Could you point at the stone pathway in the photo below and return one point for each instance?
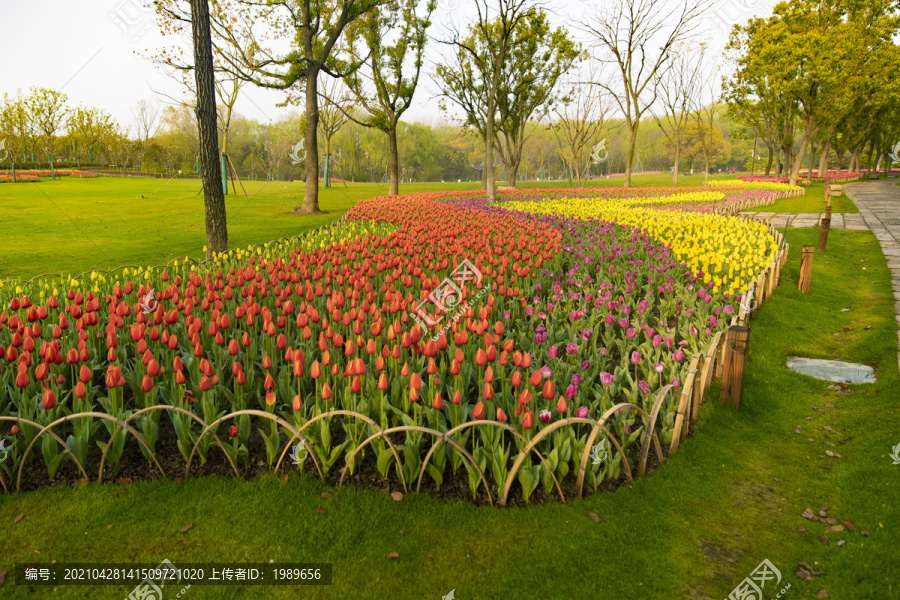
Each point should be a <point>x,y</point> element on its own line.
<point>838,220</point>
<point>879,204</point>
<point>832,370</point>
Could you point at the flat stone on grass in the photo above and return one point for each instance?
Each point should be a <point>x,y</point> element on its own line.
<point>832,370</point>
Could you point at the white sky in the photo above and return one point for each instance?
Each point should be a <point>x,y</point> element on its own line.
<point>82,48</point>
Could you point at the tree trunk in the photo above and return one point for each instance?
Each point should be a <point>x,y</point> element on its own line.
<point>632,149</point>
<point>869,159</point>
<point>489,177</point>
<point>798,159</point>
<point>208,130</point>
<point>512,172</point>
<point>310,204</point>
<point>823,160</point>
<point>769,162</point>
<point>812,154</point>
<point>677,159</point>
<point>854,159</point>
<point>393,162</point>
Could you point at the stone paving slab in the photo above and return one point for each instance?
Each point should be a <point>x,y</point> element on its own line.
<point>832,370</point>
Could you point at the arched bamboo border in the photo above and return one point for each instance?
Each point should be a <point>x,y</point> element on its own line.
<point>52,433</point>
<point>252,412</point>
<point>158,407</point>
<point>380,433</point>
<point>431,432</point>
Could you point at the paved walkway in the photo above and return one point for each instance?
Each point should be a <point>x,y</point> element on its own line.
<point>879,204</point>
<point>838,220</point>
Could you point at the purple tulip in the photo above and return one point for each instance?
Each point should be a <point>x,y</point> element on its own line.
<point>585,365</point>
<point>577,379</point>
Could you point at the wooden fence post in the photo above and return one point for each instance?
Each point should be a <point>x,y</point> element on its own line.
<point>806,259</point>
<point>736,345</point>
<point>824,228</point>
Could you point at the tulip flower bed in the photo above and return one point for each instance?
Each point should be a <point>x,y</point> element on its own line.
<point>33,175</point>
<point>529,346</point>
<point>785,189</point>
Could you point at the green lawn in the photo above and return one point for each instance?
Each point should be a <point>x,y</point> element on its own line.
<point>731,497</point>
<point>812,202</point>
<point>73,225</point>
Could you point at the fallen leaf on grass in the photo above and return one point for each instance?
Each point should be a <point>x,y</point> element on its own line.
<point>801,529</point>
<point>804,575</point>
<point>823,538</point>
<point>832,454</point>
<point>808,514</point>
<point>850,525</point>
<point>393,555</point>
<point>187,528</point>
<point>594,516</point>
<point>285,477</point>
<point>829,405</point>
<point>397,496</point>
<point>326,495</point>
<point>19,518</point>
<point>841,542</point>
<point>109,526</point>
<point>119,492</point>
<point>822,594</point>
<point>825,507</point>
<point>2,576</point>
<point>836,528</point>
<point>809,568</point>
<point>123,480</point>
<point>865,533</point>
<point>321,511</point>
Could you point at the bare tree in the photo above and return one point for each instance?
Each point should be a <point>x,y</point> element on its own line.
<point>705,116</point>
<point>638,37</point>
<point>145,114</point>
<point>579,122</point>
<point>336,107</point>
<point>679,96</point>
<point>498,25</point>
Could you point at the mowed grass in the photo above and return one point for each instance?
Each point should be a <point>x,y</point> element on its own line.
<point>811,202</point>
<point>72,225</point>
<point>732,496</point>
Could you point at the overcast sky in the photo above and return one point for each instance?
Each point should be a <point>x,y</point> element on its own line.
<point>90,49</point>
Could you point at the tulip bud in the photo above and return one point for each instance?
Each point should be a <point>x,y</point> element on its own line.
<point>549,390</point>
<point>501,416</point>
<point>535,378</point>
<point>478,411</point>
<point>233,431</point>
<point>489,374</point>
<point>205,384</point>
<point>326,391</point>
<point>516,379</point>
<point>48,400</point>
<point>270,398</point>
<point>488,391</point>
<point>528,420</point>
<point>561,405</point>
<point>457,397</point>
<point>146,384</point>
<point>438,402</point>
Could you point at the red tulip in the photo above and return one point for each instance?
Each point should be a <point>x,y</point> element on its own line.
<point>561,405</point>
<point>233,347</point>
<point>48,400</point>
<point>549,390</point>
<point>488,391</point>
<point>382,382</point>
<point>516,379</point>
<point>205,384</point>
<point>297,404</point>
<point>326,391</point>
<point>457,398</point>
<point>146,384</point>
<point>270,398</point>
<point>153,368</point>
<point>356,385</point>
<point>413,394</point>
<point>528,420</point>
<point>266,362</point>
<point>177,365</point>
<point>269,383</point>
<point>22,378</point>
<point>179,377</point>
<point>315,371</point>
<point>80,391</point>
<point>437,402</point>
<point>478,411</point>
<point>480,357</point>
<point>501,416</point>
<point>233,431</point>
<point>14,430</point>
<point>535,378</point>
